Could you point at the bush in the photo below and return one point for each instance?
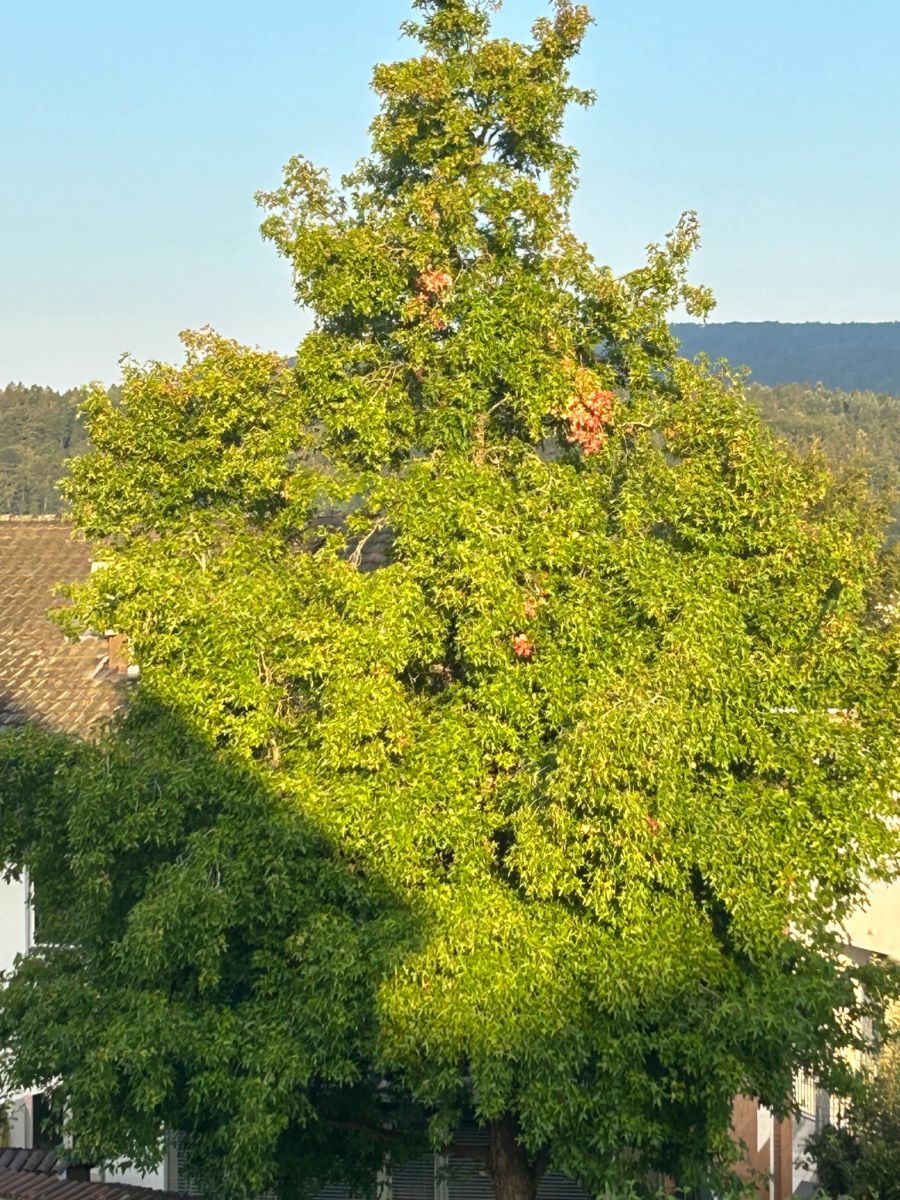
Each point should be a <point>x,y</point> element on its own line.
<point>862,1158</point>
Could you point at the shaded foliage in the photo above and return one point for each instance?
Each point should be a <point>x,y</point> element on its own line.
<point>861,1159</point>
<point>208,960</point>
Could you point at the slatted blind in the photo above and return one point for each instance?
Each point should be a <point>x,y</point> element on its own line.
<point>427,1178</point>
<point>183,1182</point>
<point>805,1093</point>
<point>466,1178</point>
<point>333,1191</point>
<point>556,1186</point>
<point>469,1180</point>
<point>414,1180</point>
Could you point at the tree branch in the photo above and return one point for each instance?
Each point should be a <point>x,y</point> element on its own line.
<point>356,557</point>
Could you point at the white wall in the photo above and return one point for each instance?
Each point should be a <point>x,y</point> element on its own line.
<point>14,916</point>
<point>804,1177</point>
<point>20,1122</point>
<point>15,927</point>
<point>156,1179</point>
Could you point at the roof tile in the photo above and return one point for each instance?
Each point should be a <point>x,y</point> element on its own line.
<point>48,1185</point>
<point>44,678</point>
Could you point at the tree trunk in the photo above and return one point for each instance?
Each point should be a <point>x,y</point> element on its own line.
<point>515,1175</point>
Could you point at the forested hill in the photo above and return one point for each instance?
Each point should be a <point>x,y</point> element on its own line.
<point>851,357</point>
<point>844,424</point>
<point>39,428</point>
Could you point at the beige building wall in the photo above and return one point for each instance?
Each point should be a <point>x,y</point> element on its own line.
<point>876,926</point>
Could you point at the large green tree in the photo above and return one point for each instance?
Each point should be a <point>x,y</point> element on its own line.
<point>515,727</point>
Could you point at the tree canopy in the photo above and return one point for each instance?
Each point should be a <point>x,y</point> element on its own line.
<point>550,815</point>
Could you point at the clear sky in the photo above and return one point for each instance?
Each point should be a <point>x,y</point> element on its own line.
<point>133,134</point>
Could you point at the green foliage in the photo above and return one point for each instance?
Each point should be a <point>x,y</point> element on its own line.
<point>39,428</point>
<point>861,1159</point>
<point>861,427</point>
<point>207,960</point>
<point>551,816</point>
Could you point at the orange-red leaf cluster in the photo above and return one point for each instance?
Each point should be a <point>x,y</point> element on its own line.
<point>435,283</point>
<point>589,417</point>
<point>522,646</point>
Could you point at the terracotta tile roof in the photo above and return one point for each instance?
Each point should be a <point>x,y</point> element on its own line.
<point>44,678</point>
<point>40,1175</point>
<point>36,1185</point>
<point>45,1162</point>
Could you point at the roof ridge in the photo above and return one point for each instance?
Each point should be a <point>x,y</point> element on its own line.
<point>28,1185</point>
<point>29,518</point>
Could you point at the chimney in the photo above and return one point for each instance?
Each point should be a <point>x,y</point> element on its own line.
<point>117,649</point>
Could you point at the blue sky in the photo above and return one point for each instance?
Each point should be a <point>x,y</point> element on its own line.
<point>133,134</point>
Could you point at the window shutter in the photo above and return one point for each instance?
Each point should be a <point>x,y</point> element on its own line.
<point>332,1191</point>
<point>467,1179</point>
<point>184,1185</point>
<point>414,1180</point>
<point>805,1093</point>
<point>556,1186</point>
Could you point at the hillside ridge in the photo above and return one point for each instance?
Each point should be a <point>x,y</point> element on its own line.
<point>852,356</point>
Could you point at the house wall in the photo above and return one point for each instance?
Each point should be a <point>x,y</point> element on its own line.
<point>13,922</point>
<point>155,1179</point>
<point>769,1148</point>
<point>783,1159</point>
<point>753,1127</point>
<point>803,1177</point>
<point>876,926</point>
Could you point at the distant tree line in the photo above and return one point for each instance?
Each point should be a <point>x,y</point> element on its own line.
<point>861,426</point>
<point>40,429</point>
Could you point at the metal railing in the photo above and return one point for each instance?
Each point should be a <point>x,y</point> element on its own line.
<point>805,1090</point>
